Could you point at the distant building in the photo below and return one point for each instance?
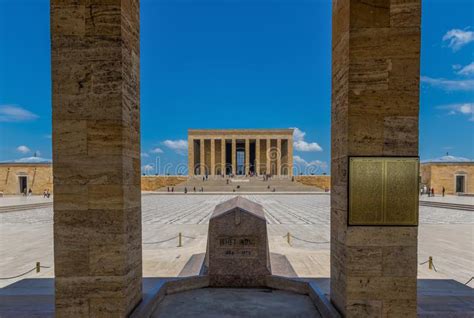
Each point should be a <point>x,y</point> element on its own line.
<point>240,151</point>
<point>456,176</point>
<point>16,178</point>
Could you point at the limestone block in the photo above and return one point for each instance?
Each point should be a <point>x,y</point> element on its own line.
<point>237,249</point>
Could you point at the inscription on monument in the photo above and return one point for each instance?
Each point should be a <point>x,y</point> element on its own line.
<point>244,246</point>
<point>383,191</point>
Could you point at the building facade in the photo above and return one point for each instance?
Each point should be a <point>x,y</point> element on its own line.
<point>455,177</point>
<point>240,152</point>
<point>18,178</point>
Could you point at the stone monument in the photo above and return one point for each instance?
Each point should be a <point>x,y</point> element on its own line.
<point>237,248</point>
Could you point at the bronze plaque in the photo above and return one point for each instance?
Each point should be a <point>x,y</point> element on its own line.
<point>383,191</point>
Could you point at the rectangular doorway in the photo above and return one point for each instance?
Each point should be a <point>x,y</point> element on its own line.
<point>240,162</point>
<point>460,184</point>
<point>23,182</point>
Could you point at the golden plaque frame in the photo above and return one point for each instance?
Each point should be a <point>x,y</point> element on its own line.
<point>383,191</point>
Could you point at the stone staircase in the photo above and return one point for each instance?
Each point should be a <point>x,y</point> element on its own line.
<point>242,184</point>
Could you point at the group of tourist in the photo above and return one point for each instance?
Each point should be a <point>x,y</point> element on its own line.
<point>431,191</point>
<point>29,193</point>
<point>194,189</point>
<point>170,189</point>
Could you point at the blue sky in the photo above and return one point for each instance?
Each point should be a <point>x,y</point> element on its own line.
<point>236,64</point>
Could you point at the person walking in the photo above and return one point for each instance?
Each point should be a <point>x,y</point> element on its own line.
<point>444,191</point>
<point>432,192</point>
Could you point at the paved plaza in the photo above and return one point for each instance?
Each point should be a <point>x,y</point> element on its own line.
<point>445,234</point>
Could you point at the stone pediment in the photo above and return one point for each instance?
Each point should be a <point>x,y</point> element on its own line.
<point>244,205</point>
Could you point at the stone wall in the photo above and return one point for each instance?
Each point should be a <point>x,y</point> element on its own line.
<point>40,177</point>
<point>439,175</point>
<point>152,183</point>
<point>322,182</point>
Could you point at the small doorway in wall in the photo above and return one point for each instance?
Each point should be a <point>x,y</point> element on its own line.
<point>460,183</point>
<point>23,182</point>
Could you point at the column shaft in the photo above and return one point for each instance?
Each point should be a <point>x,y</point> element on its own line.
<point>190,156</point>
<point>278,157</point>
<point>202,159</point>
<point>96,158</point>
<point>223,157</point>
<point>213,157</point>
<point>269,157</point>
<point>373,268</point>
<point>290,156</point>
<point>257,156</point>
<point>234,156</point>
<point>247,156</point>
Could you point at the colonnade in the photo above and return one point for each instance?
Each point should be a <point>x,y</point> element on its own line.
<point>240,155</point>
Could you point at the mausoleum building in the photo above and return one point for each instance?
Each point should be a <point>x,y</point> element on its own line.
<point>240,152</point>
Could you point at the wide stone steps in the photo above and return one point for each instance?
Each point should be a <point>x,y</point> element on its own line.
<point>242,184</point>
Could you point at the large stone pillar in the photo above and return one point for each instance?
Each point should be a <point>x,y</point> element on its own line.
<point>375,96</point>
<point>257,156</point>
<point>234,156</point>
<point>269,157</point>
<point>247,156</point>
<point>223,158</point>
<point>290,157</point>
<point>190,156</point>
<point>202,157</point>
<point>213,157</point>
<point>96,156</point>
<point>278,157</point>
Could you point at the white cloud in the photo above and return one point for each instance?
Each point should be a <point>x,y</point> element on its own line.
<point>157,150</point>
<point>316,163</point>
<point>33,160</point>
<point>23,149</point>
<point>145,155</point>
<point>179,146</point>
<point>466,109</point>
<point>299,144</point>
<point>466,70</point>
<point>14,113</point>
<point>299,160</point>
<point>458,38</point>
<point>312,167</point>
<point>449,85</point>
<point>306,146</point>
<point>298,135</point>
<point>47,136</point>
<point>147,168</point>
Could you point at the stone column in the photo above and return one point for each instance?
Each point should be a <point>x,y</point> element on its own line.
<point>213,157</point>
<point>267,153</point>
<point>202,157</point>
<point>257,156</point>
<point>247,156</point>
<point>190,156</point>
<point>223,156</point>
<point>234,156</point>
<point>95,56</point>
<point>290,157</point>
<point>278,157</point>
<point>375,96</point>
